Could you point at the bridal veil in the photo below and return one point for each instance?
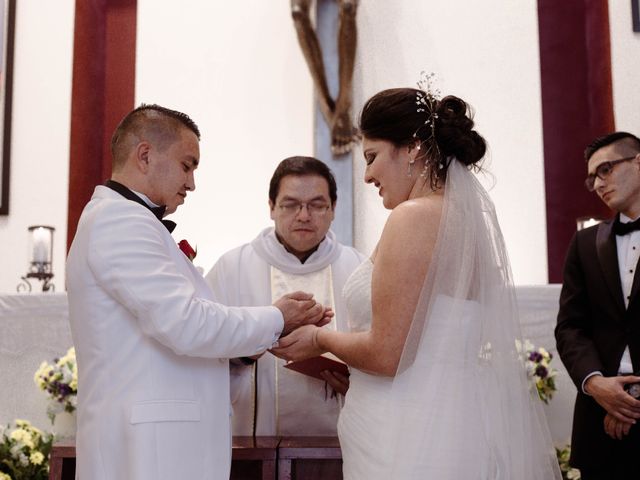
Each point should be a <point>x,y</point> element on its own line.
<point>461,403</point>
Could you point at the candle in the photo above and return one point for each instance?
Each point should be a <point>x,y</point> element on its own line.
<point>41,241</point>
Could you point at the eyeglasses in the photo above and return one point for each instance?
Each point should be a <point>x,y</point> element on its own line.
<point>316,209</point>
<point>603,171</point>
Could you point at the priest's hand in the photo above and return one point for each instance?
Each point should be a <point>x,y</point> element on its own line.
<point>337,381</point>
<point>299,308</point>
<point>299,344</point>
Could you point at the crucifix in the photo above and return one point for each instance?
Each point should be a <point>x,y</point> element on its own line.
<point>329,50</point>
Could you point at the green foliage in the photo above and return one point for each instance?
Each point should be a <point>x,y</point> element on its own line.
<point>24,452</point>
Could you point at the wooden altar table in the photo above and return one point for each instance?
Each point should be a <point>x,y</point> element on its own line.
<point>260,458</point>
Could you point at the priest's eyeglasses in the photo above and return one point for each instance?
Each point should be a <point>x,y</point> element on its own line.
<point>316,209</point>
<point>603,171</point>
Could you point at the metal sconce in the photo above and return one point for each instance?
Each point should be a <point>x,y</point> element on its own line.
<point>41,251</point>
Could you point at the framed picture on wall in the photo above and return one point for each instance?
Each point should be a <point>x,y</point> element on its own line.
<point>7,27</point>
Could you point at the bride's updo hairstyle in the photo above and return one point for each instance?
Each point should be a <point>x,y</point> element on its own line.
<point>397,116</point>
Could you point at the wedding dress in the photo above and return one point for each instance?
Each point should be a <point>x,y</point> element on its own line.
<point>460,405</point>
<point>364,419</point>
<point>360,425</point>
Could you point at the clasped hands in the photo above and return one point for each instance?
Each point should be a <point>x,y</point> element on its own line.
<point>622,409</point>
<point>303,318</point>
<point>300,310</point>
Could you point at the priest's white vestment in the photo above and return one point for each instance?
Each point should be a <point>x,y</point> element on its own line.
<point>257,273</point>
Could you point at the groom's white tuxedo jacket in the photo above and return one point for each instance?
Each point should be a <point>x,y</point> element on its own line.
<point>152,349</point>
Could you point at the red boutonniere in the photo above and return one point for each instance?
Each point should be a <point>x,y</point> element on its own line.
<point>187,249</point>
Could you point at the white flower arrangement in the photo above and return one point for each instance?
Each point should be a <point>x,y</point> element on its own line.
<point>537,363</point>
<point>60,381</point>
<point>568,472</point>
<point>24,452</point>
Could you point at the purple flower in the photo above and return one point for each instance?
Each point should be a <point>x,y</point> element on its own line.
<point>541,371</point>
<point>535,356</point>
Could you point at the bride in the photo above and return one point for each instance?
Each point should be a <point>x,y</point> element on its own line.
<point>438,389</point>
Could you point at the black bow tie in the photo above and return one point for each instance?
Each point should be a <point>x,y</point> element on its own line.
<point>128,194</point>
<point>620,228</point>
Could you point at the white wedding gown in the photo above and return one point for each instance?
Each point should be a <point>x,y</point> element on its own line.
<point>461,405</point>
<point>452,419</point>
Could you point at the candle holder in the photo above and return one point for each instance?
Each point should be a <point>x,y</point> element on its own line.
<point>41,252</point>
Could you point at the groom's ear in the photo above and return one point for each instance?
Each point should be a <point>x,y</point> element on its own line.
<point>142,154</point>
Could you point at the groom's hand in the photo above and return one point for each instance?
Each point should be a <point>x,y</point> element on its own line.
<point>299,308</point>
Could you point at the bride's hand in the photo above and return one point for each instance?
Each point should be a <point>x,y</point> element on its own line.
<point>299,344</point>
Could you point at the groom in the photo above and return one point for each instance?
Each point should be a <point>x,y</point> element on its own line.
<point>152,347</point>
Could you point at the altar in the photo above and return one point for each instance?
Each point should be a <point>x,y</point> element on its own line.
<point>35,328</point>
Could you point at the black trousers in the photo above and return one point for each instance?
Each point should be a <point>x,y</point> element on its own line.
<point>612,473</point>
<point>623,463</point>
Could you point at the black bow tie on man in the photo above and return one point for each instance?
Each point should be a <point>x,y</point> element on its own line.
<point>128,194</point>
<point>620,228</point>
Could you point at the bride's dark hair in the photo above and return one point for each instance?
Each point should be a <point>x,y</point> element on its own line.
<point>395,116</point>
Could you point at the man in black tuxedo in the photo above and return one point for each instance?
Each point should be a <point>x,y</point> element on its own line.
<point>598,330</point>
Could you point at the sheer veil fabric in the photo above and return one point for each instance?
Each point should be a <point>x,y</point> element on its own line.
<point>461,404</point>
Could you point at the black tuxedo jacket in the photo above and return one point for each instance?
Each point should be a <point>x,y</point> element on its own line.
<point>593,329</point>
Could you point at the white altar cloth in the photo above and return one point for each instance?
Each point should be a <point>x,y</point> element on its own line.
<point>538,306</point>
<point>35,327</point>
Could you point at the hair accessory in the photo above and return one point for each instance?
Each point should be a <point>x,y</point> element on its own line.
<point>425,170</point>
<point>427,98</point>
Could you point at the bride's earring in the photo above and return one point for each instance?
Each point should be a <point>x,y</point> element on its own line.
<point>411,162</point>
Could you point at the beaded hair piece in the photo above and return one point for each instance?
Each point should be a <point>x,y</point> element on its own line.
<point>427,98</point>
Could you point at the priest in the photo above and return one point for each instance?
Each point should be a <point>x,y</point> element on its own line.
<point>299,252</point>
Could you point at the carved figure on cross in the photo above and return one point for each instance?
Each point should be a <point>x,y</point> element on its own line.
<point>337,113</point>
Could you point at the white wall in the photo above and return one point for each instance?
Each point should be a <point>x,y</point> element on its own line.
<point>253,104</point>
<point>40,135</point>
<point>625,63</point>
<point>486,53</point>
<point>237,70</point>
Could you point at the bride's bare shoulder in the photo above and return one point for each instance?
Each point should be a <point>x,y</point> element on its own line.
<point>422,209</point>
<point>414,221</point>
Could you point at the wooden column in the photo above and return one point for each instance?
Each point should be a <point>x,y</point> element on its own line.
<point>577,106</point>
<point>102,93</point>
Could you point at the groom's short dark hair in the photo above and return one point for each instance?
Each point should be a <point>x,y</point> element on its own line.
<point>148,122</point>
